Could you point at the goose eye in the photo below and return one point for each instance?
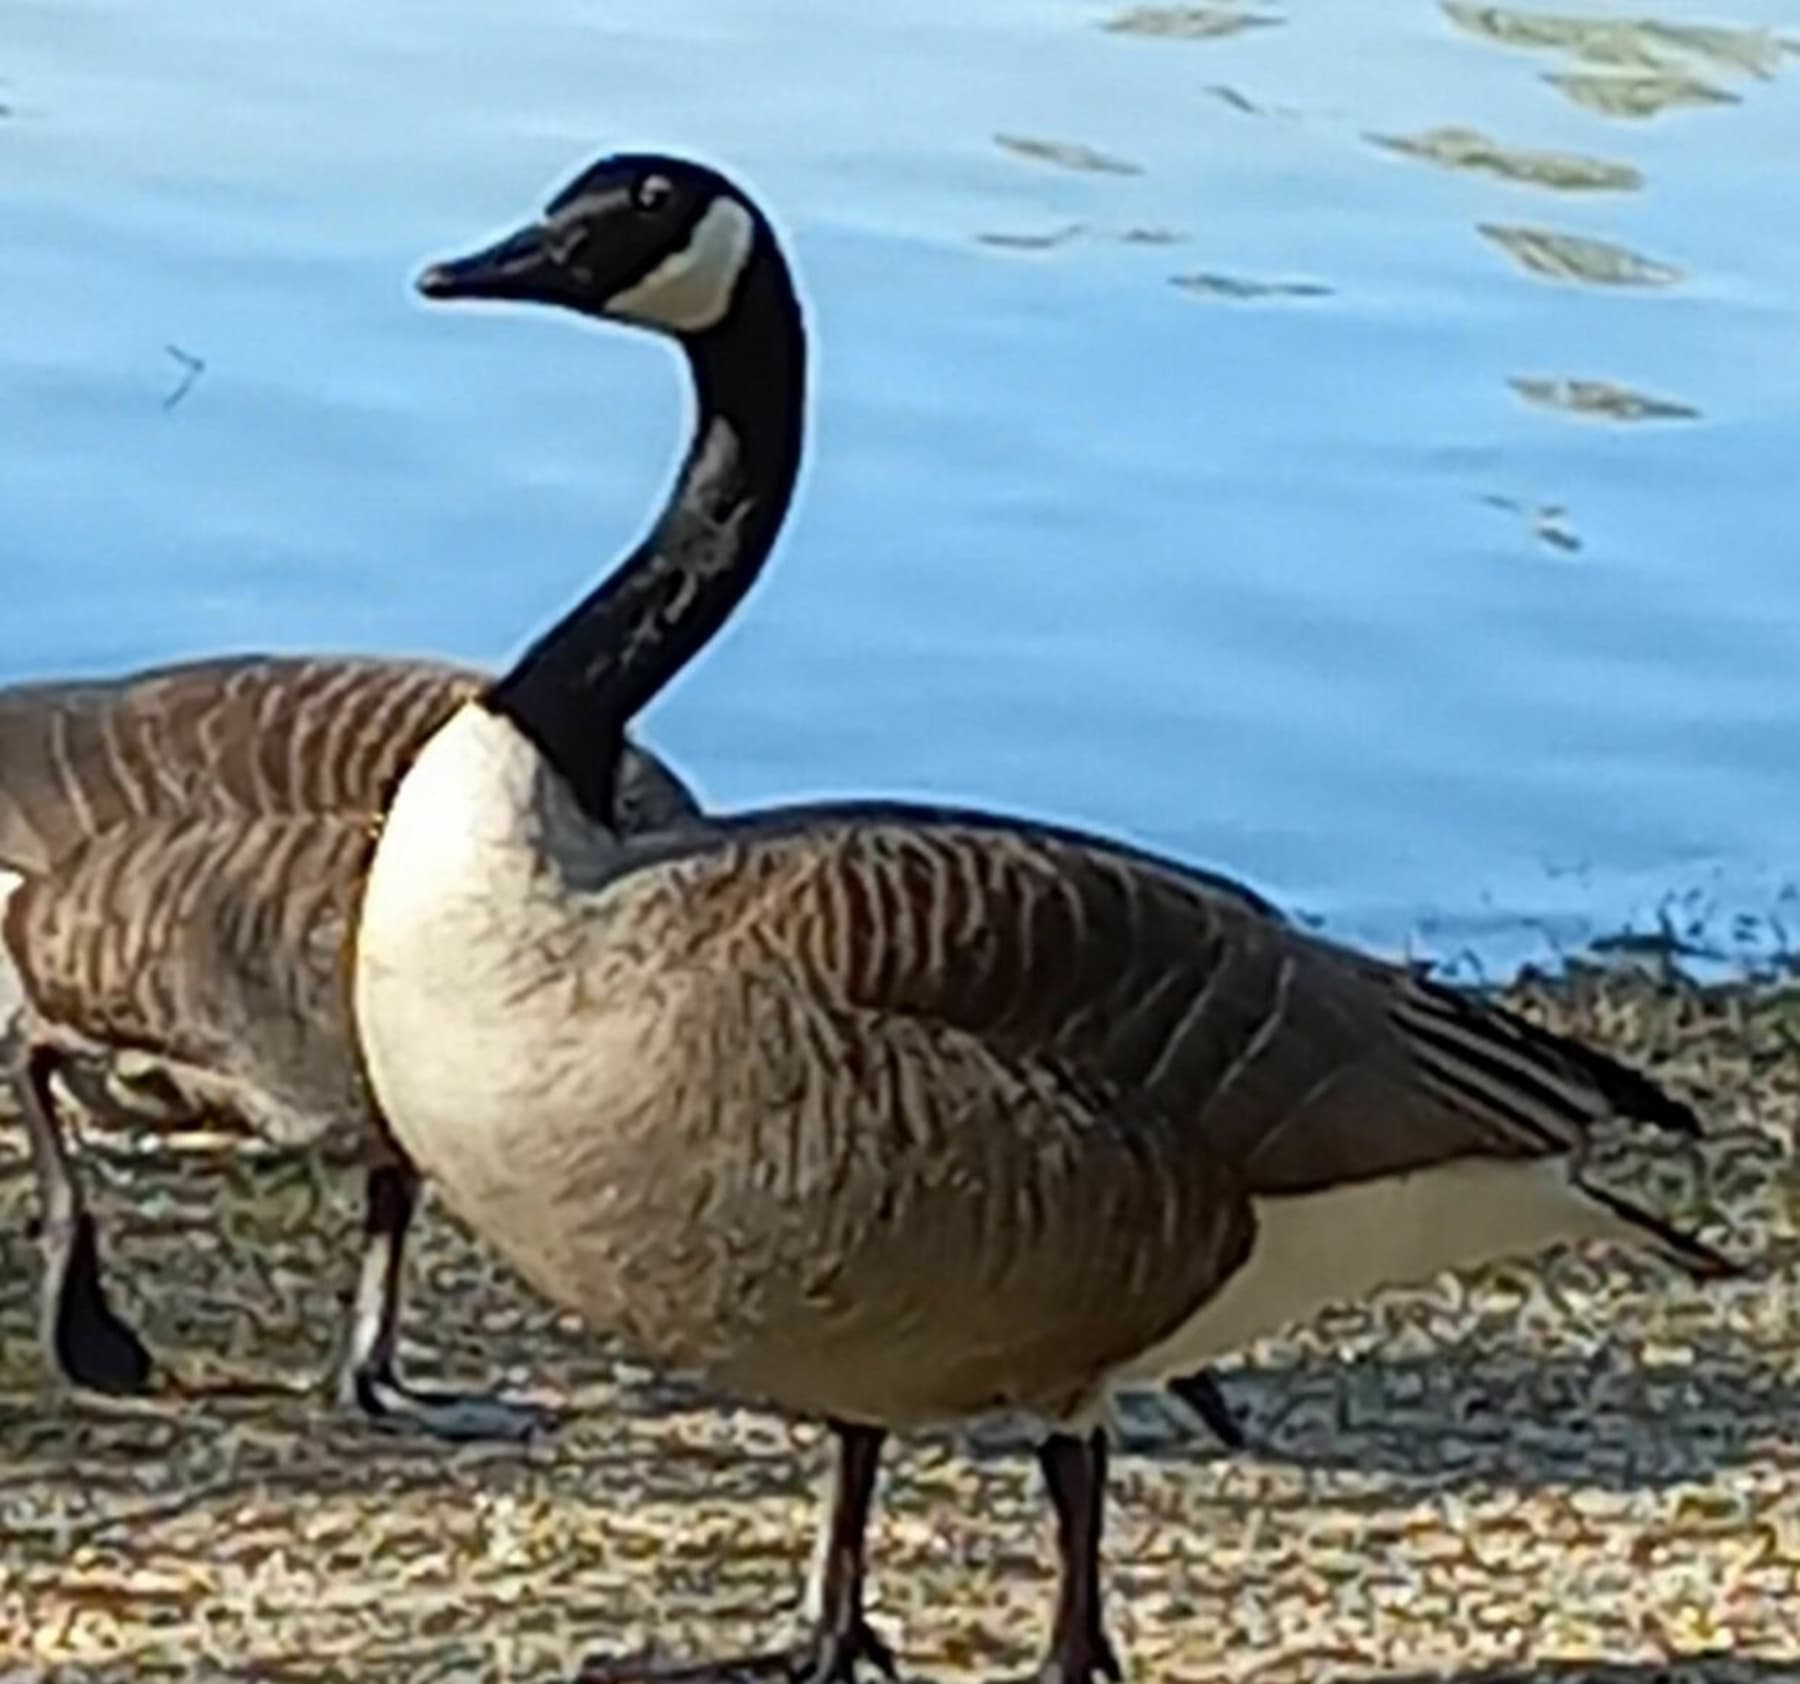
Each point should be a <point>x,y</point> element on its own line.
<point>652,193</point>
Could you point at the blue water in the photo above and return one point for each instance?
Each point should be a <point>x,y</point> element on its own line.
<point>1263,580</point>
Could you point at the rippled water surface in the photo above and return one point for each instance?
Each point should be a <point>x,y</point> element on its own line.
<point>1354,446</point>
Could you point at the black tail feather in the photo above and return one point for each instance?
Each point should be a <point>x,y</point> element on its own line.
<point>1627,1092</point>
<point>1630,1092</point>
<point>1201,1393</point>
<point>1694,1257</point>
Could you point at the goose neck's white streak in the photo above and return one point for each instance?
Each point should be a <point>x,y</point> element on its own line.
<point>1343,1243</point>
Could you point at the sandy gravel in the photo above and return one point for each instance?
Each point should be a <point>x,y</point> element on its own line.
<point>1583,1471</point>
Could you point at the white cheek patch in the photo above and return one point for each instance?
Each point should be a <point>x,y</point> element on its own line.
<point>690,290</point>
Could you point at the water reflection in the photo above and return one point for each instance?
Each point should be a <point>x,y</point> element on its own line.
<point>1652,66</point>
<point>1082,271</point>
<point>1048,241</point>
<point>1212,285</point>
<point>191,366</point>
<point>1602,400</point>
<point>1630,68</point>
<point>1456,148</point>
<point>1642,43</point>
<point>1068,155</point>
<point>1578,257</point>
<point>1237,100</point>
<point>1647,94</point>
<point>1189,23</point>
<point>1548,523</point>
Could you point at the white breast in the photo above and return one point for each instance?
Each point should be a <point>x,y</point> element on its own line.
<point>1342,1243</point>
<point>471,983</point>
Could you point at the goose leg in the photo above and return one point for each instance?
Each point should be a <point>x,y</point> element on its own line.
<point>83,1336</point>
<point>368,1382</point>
<point>1201,1393</point>
<point>841,1635</point>
<point>1075,1472</point>
<point>838,1635</point>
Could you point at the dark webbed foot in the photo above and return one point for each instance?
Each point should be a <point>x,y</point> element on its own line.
<point>1202,1394</point>
<point>841,1638</point>
<point>832,1657</point>
<point>454,1417</point>
<point>1080,1664</point>
<point>89,1342</point>
<point>84,1338</point>
<point>823,1658</point>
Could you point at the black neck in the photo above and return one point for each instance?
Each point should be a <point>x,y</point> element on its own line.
<point>577,688</point>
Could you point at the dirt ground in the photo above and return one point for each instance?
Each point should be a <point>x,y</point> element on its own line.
<point>1587,1470</point>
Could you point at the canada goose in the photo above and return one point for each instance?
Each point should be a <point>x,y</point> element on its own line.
<point>881,1114</point>
<point>184,846</point>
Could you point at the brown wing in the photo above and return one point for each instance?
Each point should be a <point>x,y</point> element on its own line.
<point>1131,978</point>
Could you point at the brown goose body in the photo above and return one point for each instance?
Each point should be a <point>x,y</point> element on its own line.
<point>890,1116</point>
<point>184,848</point>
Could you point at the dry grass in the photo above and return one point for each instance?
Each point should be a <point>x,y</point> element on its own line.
<point>1517,1477</point>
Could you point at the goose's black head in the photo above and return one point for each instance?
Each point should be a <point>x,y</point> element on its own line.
<point>658,242</point>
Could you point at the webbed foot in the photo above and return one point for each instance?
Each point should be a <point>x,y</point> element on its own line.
<point>825,1657</point>
<point>89,1342</point>
<point>455,1417</point>
<point>1079,1663</point>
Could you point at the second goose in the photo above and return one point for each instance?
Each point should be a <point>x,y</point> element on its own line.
<point>881,1114</point>
<point>180,852</point>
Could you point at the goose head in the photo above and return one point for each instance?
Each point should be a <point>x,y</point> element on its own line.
<point>658,242</point>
